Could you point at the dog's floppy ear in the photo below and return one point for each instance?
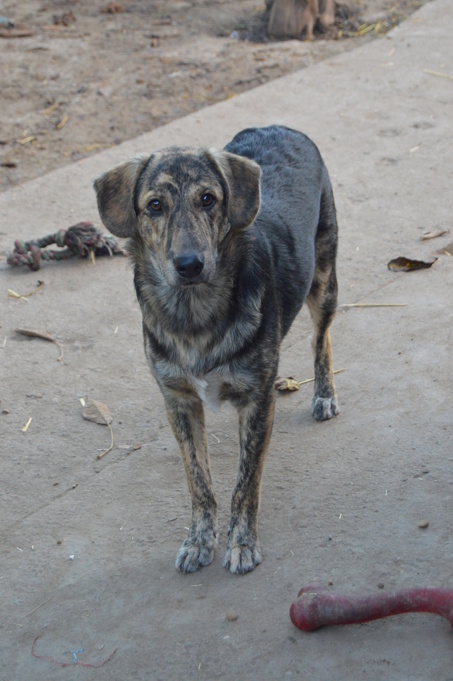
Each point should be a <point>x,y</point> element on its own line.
<point>243,179</point>
<point>115,195</point>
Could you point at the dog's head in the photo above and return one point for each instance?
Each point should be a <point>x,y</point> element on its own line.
<point>180,204</point>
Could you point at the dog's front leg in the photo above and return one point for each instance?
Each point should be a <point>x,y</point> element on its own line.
<point>255,427</point>
<point>186,417</point>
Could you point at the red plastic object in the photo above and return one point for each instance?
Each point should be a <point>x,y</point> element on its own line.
<point>317,606</point>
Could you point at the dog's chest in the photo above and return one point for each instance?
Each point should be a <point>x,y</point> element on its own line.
<point>208,389</point>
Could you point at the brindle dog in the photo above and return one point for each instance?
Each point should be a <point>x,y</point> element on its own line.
<point>227,245</point>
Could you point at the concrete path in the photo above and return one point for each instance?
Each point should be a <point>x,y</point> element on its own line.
<point>88,546</point>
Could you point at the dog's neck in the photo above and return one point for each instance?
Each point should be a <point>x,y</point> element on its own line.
<point>190,310</point>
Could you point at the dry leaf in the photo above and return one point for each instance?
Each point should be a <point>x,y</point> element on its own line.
<point>98,412</point>
<point>435,234</point>
<point>289,384</point>
<point>41,334</point>
<point>36,334</point>
<point>408,264</point>
<point>446,250</point>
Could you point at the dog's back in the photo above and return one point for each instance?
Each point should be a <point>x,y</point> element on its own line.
<point>295,196</point>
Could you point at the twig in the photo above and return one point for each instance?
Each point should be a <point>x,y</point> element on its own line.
<point>438,74</point>
<point>63,122</point>
<point>99,456</point>
<point>373,305</point>
<point>13,294</point>
<point>26,140</point>
<point>51,108</point>
<point>310,380</point>
<point>24,296</point>
<point>25,428</point>
<point>37,607</point>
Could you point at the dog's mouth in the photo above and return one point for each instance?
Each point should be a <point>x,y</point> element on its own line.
<point>177,282</point>
<point>189,284</point>
<point>192,282</point>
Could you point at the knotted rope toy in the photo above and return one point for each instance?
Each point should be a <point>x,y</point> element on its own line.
<point>81,239</point>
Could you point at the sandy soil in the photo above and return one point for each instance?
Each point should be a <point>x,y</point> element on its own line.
<point>88,78</point>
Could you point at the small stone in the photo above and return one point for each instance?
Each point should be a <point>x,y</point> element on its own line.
<point>59,542</point>
<point>380,585</point>
<point>423,524</point>
<point>231,616</point>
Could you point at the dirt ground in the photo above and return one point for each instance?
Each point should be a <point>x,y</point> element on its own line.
<point>88,79</point>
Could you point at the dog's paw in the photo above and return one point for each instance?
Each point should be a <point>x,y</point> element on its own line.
<point>324,408</point>
<point>194,554</point>
<point>242,558</point>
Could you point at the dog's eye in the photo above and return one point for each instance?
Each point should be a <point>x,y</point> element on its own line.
<point>155,205</point>
<point>207,200</point>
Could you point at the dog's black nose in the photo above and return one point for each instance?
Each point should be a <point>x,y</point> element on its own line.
<point>188,266</point>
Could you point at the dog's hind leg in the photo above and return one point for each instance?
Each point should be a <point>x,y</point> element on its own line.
<point>186,417</point>
<point>322,302</point>
<point>255,427</point>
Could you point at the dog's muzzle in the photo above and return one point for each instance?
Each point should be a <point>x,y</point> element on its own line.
<point>189,267</point>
